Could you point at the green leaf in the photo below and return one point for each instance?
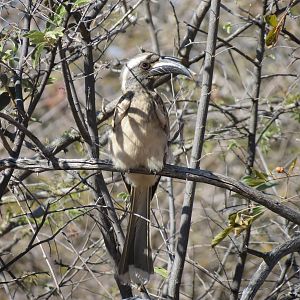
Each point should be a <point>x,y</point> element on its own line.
<point>35,36</point>
<point>53,35</point>
<point>37,53</point>
<point>245,218</point>
<point>292,166</point>
<point>257,210</point>
<point>227,27</point>
<point>271,20</point>
<point>232,144</point>
<point>272,37</point>
<point>81,2</point>
<point>291,99</point>
<point>231,219</point>
<point>255,179</point>
<point>221,236</point>
<point>161,271</point>
<point>35,120</point>
<point>59,15</point>
<point>74,212</point>
<point>123,196</point>
<point>265,186</point>
<point>238,222</point>
<point>252,181</point>
<point>7,56</point>
<point>260,175</point>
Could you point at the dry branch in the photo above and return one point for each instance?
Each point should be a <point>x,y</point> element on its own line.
<point>196,175</point>
<point>265,268</point>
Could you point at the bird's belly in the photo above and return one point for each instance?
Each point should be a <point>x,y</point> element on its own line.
<point>139,143</point>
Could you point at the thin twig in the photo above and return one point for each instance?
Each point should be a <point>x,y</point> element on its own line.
<point>151,27</point>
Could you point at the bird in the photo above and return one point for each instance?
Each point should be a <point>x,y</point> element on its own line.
<point>139,139</point>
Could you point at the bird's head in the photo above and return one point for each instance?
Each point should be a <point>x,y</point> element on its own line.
<point>144,69</point>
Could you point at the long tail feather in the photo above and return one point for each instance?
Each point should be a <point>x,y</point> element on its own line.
<point>136,263</point>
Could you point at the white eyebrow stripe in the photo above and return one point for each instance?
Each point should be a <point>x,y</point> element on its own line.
<point>136,61</point>
<point>130,65</point>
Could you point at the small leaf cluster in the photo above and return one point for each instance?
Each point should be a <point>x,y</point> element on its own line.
<point>42,40</point>
<point>238,222</point>
<point>244,218</point>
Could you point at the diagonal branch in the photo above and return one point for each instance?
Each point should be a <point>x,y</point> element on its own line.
<point>27,132</point>
<point>265,268</point>
<point>195,175</point>
<point>198,17</point>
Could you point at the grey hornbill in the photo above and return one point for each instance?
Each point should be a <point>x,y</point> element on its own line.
<point>139,138</point>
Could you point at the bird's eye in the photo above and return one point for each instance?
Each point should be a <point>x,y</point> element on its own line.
<point>145,66</point>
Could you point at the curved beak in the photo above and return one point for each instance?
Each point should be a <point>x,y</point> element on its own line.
<point>169,65</point>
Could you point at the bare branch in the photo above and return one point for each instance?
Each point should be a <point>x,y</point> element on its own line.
<point>192,30</point>
<point>191,174</point>
<point>272,258</point>
<point>186,214</point>
<point>253,121</point>
<point>152,31</point>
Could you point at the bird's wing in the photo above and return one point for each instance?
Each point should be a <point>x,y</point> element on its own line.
<point>163,118</point>
<point>122,108</point>
<point>162,114</point>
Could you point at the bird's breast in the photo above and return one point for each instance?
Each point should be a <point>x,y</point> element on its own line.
<point>139,140</point>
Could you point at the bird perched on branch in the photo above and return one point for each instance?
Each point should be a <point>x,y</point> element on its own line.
<point>140,139</point>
